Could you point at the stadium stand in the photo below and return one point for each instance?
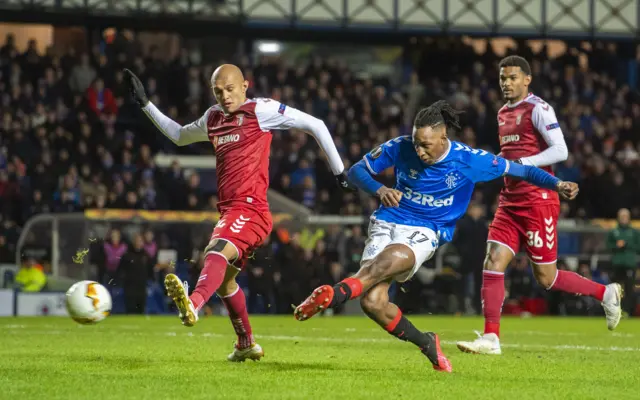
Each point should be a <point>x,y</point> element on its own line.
<point>72,140</point>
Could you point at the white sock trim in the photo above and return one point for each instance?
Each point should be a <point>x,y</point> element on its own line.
<point>492,272</point>
<point>232,294</point>
<point>554,280</point>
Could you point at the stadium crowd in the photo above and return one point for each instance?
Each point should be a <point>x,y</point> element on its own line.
<point>72,139</point>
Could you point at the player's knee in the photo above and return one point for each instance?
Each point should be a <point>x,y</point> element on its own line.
<point>545,276</point>
<point>372,304</point>
<point>495,261</point>
<point>227,288</point>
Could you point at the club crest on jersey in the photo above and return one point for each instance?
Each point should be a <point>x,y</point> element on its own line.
<point>376,152</point>
<point>413,174</point>
<point>239,119</point>
<point>451,180</point>
<point>518,119</point>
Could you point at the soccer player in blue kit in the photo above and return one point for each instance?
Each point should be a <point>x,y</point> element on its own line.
<point>435,178</point>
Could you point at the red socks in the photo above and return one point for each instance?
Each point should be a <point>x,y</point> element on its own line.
<point>211,277</point>
<point>391,326</point>
<point>492,300</point>
<point>236,304</point>
<point>355,285</point>
<point>570,282</point>
<point>493,293</point>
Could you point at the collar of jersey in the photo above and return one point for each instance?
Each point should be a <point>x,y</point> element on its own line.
<point>520,102</point>
<point>442,157</point>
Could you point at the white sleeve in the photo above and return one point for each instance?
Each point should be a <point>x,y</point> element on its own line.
<point>180,135</point>
<point>272,114</point>
<point>545,121</point>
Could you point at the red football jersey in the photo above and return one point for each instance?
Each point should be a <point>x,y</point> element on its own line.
<point>521,129</point>
<point>242,142</point>
<point>242,156</point>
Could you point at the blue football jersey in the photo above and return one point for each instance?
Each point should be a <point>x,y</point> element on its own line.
<point>437,195</point>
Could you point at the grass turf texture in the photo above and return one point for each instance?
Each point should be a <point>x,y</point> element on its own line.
<point>335,358</point>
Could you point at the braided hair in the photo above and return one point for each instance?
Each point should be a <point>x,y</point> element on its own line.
<point>436,114</point>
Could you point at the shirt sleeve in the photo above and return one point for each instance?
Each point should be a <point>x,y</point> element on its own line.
<point>383,156</point>
<point>482,166</point>
<point>272,114</point>
<point>178,134</point>
<point>545,121</point>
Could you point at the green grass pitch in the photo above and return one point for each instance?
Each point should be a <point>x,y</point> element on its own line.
<point>333,358</point>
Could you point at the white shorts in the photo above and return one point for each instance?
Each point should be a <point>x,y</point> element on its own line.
<point>422,241</point>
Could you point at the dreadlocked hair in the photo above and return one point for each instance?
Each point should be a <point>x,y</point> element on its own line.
<point>438,113</point>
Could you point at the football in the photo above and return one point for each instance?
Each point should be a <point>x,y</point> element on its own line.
<point>88,302</point>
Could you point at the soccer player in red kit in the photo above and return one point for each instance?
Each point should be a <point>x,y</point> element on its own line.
<point>239,130</point>
<point>527,215</point>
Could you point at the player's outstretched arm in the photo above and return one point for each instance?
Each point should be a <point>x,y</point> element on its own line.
<point>272,114</point>
<point>360,176</point>
<point>178,134</point>
<point>540,178</point>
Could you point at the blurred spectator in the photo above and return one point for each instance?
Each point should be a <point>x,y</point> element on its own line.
<point>114,248</point>
<point>6,255</point>
<point>30,277</point>
<point>82,75</point>
<point>624,243</point>
<point>470,240</point>
<point>101,99</point>
<point>134,271</point>
<point>260,282</point>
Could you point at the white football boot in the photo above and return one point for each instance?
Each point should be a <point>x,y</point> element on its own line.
<point>611,304</point>
<point>179,293</point>
<point>253,352</point>
<point>489,343</point>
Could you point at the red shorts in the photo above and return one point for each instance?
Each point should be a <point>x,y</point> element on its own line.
<point>533,227</point>
<point>245,229</point>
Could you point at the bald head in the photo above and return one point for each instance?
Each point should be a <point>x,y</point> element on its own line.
<point>227,72</point>
<point>229,87</point>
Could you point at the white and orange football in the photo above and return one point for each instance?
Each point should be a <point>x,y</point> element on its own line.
<point>88,302</point>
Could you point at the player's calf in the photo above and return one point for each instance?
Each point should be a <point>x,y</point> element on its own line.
<point>375,303</point>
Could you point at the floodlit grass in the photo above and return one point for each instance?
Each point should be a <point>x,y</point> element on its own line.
<point>334,358</point>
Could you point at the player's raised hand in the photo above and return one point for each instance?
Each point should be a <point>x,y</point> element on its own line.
<point>389,197</point>
<point>568,190</point>
<point>343,182</point>
<point>135,88</point>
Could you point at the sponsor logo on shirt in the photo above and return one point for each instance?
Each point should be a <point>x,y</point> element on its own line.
<point>426,199</point>
<point>219,140</point>
<point>509,138</point>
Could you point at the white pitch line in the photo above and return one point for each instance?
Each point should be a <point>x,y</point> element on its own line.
<point>16,329</point>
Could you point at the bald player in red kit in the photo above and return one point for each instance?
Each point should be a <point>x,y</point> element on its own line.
<point>527,216</point>
<point>239,130</point>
